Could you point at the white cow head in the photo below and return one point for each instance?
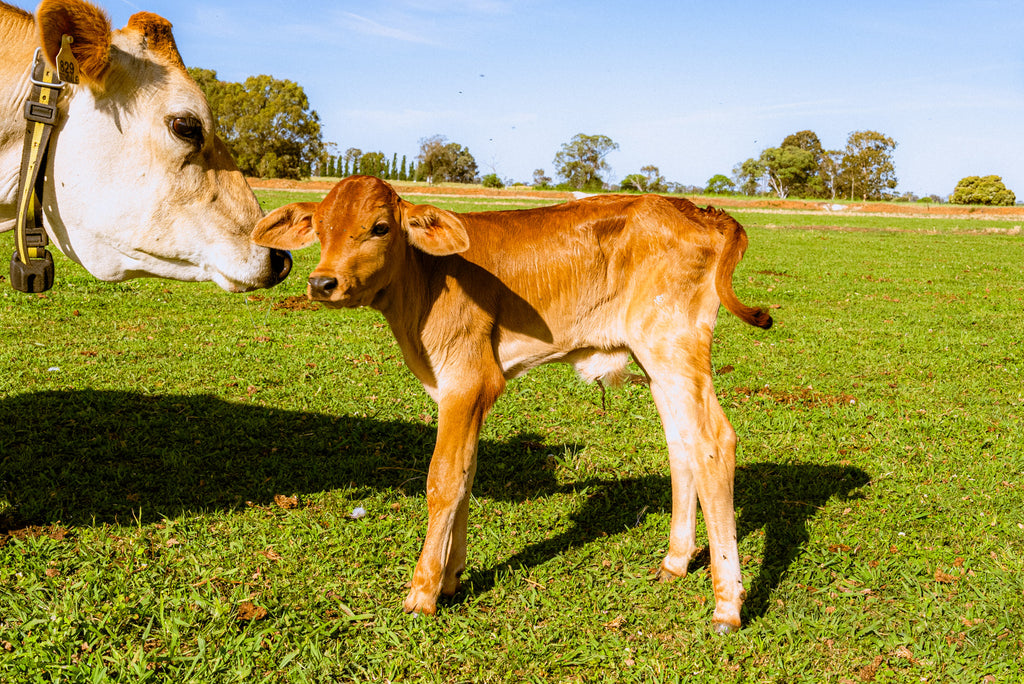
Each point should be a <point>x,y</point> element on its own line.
<point>138,183</point>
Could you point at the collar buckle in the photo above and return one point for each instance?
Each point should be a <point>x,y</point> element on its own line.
<point>41,112</point>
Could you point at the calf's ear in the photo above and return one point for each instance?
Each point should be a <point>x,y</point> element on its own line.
<point>89,29</point>
<point>434,231</point>
<point>289,227</point>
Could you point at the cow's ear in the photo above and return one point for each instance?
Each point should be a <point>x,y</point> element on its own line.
<point>156,34</point>
<point>289,227</point>
<point>434,231</point>
<point>89,29</point>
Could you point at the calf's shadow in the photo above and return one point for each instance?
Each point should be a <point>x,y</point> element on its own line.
<point>85,457</point>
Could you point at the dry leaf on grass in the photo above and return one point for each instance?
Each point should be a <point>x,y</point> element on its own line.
<point>249,611</point>
<point>286,501</point>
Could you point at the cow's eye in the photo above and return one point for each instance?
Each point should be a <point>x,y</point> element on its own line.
<point>188,128</point>
<point>380,229</point>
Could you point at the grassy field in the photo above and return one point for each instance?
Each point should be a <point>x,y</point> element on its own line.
<point>880,222</point>
<point>179,468</point>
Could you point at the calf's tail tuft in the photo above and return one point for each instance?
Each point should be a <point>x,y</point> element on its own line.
<point>735,246</point>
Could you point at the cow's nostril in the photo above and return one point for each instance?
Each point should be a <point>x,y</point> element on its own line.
<point>280,263</point>
<point>322,284</point>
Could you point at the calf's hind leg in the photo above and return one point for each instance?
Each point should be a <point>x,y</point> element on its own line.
<point>702,460</point>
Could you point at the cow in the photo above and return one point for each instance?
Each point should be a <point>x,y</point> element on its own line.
<point>476,299</point>
<point>136,183</point>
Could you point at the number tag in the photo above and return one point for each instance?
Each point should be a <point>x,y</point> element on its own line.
<point>67,65</point>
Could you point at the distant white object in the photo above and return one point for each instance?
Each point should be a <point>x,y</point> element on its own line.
<point>580,195</point>
<point>834,207</point>
<point>357,513</point>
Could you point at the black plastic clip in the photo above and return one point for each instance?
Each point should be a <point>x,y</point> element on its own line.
<point>35,276</point>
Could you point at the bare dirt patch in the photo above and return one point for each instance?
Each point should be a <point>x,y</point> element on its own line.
<point>294,303</point>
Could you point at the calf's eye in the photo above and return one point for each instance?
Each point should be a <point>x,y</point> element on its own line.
<point>380,229</point>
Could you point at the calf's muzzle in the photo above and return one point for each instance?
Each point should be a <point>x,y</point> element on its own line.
<point>321,287</point>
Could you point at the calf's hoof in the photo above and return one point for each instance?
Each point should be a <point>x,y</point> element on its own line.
<point>723,628</point>
<point>419,603</point>
<point>666,573</point>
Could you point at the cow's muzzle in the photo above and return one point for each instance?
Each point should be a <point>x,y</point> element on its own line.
<point>280,264</point>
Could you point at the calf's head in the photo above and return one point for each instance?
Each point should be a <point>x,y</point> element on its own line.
<point>140,184</point>
<point>369,239</point>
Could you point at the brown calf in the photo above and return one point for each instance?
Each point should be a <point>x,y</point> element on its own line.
<point>475,299</point>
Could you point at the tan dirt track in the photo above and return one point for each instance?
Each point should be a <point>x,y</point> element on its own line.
<point>739,203</point>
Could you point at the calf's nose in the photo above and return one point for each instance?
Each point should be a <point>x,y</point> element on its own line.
<point>322,286</point>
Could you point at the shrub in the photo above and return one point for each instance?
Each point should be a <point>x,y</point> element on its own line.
<point>491,180</point>
<point>982,190</point>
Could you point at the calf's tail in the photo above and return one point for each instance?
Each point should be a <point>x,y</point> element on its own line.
<point>735,246</point>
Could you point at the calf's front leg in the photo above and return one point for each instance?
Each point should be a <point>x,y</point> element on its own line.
<point>449,482</point>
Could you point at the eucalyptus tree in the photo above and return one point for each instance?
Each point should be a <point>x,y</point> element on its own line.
<point>581,161</point>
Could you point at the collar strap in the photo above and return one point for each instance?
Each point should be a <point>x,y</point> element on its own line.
<point>32,265</point>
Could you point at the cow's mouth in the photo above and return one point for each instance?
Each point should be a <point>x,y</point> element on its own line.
<point>154,264</point>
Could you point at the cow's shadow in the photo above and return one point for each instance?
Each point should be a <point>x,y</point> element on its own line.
<point>87,457</point>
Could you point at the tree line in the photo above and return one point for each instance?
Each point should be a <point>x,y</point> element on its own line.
<point>271,131</point>
<point>801,167</point>
<point>438,161</point>
<point>356,162</point>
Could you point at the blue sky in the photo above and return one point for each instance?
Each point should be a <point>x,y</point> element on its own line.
<point>692,88</point>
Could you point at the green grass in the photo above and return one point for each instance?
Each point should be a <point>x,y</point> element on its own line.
<point>876,222</point>
<point>147,428</point>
